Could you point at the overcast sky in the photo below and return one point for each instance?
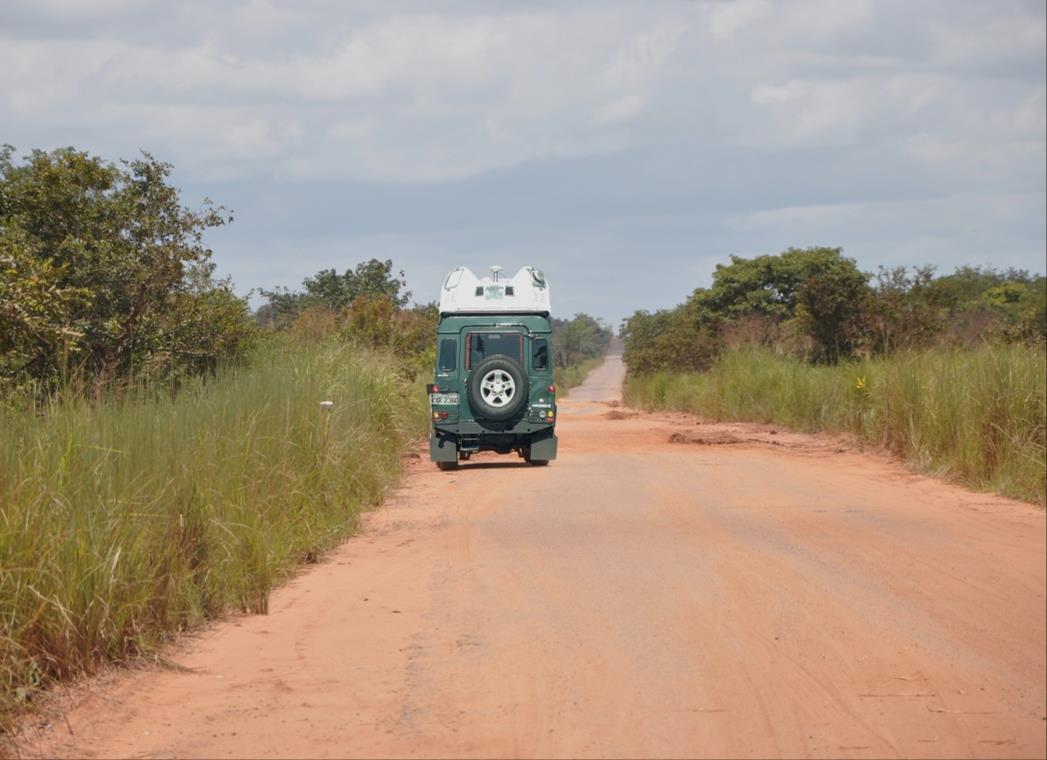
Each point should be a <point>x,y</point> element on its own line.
<point>626,148</point>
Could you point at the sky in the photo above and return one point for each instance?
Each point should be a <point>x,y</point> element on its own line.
<point>626,148</point>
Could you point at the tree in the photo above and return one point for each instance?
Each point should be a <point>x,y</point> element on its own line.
<point>670,339</point>
<point>829,309</point>
<point>767,285</point>
<point>126,268</point>
<point>330,290</point>
<point>578,339</point>
<point>35,311</point>
<point>904,309</point>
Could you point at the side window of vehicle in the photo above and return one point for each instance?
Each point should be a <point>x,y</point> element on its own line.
<point>540,353</point>
<point>448,355</point>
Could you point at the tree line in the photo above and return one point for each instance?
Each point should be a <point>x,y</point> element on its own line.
<point>578,339</point>
<point>816,304</point>
<point>105,280</point>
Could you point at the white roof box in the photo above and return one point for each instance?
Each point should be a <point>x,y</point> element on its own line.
<point>526,292</point>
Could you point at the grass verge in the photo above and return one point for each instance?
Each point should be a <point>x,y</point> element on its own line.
<point>126,521</point>
<point>976,417</point>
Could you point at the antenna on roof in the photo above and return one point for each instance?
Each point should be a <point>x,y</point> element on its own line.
<point>494,273</point>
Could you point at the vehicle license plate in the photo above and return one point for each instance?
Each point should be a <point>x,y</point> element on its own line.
<point>444,398</point>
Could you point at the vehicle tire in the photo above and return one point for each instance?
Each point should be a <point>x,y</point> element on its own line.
<point>497,389</point>
<point>447,465</point>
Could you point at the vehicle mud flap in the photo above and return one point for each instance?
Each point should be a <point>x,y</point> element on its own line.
<point>442,449</point>
<point>544,448</point>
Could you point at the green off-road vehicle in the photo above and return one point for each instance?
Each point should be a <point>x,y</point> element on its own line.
<point>493,387</point>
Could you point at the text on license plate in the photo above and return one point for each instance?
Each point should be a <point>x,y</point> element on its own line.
<point>444,398</point>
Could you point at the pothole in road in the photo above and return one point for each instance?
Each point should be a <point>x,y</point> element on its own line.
<point>713,439</point>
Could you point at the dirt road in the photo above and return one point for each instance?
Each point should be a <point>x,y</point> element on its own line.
<point>664,589</point>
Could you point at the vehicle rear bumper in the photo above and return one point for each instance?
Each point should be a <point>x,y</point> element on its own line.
<point>444,444</point>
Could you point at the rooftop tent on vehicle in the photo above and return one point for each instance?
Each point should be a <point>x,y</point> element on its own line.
<point>526,292</point>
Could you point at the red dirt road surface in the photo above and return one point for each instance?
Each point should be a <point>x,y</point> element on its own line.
<point>664,589</point>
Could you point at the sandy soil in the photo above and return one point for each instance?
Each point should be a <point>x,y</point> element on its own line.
<point>664,589</point>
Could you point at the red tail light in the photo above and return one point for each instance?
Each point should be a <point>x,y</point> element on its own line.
<point>552,389</point>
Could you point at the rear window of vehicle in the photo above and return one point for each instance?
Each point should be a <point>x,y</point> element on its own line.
<point>480,346</point>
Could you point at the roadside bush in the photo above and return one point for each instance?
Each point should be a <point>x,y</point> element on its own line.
<point>376,322</point>
<point>670,340</point>
<point>334,292</point>
<point>126,521</point>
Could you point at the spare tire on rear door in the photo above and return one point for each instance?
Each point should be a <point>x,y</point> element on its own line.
<point>497,388</point>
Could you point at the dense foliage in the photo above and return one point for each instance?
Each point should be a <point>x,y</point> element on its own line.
<point>334,292</point>
<point>578,339</point>
<point>104,275</point>
<point>816,304</point>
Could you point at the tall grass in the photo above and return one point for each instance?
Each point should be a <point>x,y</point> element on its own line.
<point>124,521</point>
<point>974,416</point>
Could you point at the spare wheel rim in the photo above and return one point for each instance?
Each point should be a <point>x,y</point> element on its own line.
<point>497,388</point>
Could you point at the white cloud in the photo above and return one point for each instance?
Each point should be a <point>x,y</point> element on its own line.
<point>407,97</point>
<point>622,109</point>
<point>718,110</point>
<point>1030,116</point>
<point>725,19</point>
<point>839,111</point>
<point>1001,35</point>
<point>85,8</point>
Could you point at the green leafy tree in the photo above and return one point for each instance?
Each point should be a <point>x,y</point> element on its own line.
<point>577,339</point>
<point>36,325</point>
<point>127,272</point>
<point>1021,309</point>
<point>767,285</point>
<point>330,290</point>
<point>829,309</point>
<point>904,309</point>
<point>670,339</point>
